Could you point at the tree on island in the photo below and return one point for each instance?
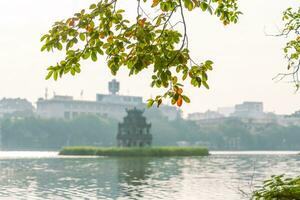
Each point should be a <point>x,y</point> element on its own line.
<point>151,41</point>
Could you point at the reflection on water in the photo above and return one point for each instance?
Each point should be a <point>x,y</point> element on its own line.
<point>219,176</point>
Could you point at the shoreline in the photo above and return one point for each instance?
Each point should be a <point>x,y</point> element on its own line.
<point>134,151</point>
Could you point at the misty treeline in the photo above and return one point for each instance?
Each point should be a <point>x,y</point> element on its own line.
<point>32,133</point>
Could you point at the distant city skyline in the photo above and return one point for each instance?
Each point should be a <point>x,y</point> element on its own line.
<point>229,111</point>
<point>245,58</point>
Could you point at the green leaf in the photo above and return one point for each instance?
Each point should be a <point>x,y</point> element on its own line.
<point>174,80</point>
<point>210,10</point>
<point>173,101</point>
<point>55,75</point>
<point>209,62</point>
<point>120,11</point>
<point>93,6</point>
<point>61,72</point>
<point>82,36</point>
<point>77,69</point>
<point>94,56</point>
<point>184,76</point>
<point>86,55</point>
<point>49,75</point>
<point>59,46</point>
<point>150,103</point>
<point>100,51</point>
<point>73,71</point>
<point>44,37</point>
<point>186,99</point>
<point>188,4</point>
<point>205,84</point>
<point>158,21</point>
<point>43,48</point>
<point>203,6</point>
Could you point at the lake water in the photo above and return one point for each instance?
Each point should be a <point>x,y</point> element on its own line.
<point>220,176</point>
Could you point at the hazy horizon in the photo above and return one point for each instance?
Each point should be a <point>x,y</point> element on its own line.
<point>245,58</point>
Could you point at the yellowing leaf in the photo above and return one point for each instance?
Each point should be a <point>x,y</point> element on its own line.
<point>71,22</point>
<point>179,91</point>
<point>155,3</point>
<point>101,35</point>
<point>179,101</point>
<point>89,28</point>
<point>141,22</point>
<point>110,39</point>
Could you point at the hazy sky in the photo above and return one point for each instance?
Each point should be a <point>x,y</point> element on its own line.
<point>245,58</point>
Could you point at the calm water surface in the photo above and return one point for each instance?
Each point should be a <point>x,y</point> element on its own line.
<point>223,175</point>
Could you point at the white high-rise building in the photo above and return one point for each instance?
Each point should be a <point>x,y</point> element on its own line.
<point>110,105</point>
<point>249,109</point>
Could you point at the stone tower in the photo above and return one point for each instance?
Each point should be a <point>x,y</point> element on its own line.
<point>134,131</point>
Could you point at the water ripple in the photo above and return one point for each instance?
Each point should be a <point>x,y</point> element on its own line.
<point>221,176</point>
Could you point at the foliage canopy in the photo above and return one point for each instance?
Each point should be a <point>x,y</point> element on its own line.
<point>291,18</point>
<point>148,42</point>
<point>151,41</point>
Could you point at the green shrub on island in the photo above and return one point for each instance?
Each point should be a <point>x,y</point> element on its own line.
<point>143,152</point>
<point>279,188</point>
<point>80,150</point>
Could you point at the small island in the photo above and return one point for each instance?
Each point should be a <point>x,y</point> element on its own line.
<point>134,139</point>
<point>134,151</point>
